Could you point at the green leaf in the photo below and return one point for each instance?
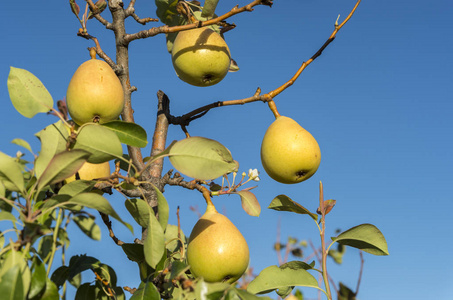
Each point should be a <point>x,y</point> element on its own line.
<point>154,244</point>
<point>51,291</point>
<point>62,166</point>
<point>7,216</point>
<point>96,201</point>
<point>85,291</point>
<point>248,296</point>
<point>346,293</point>
<point>202,158</point>
<point>171,238</point>
<point>11,285</point>
<point>284,203</point>
<point>146,291</point>
<point>53,141</point>
<point>88,226</point>
<point>134,252</point>
<point>11,173</point>
<point>28,94</point>
<point>129,133</point>
<point>249,203</point>
<point>80,263</point>
<point>76,187</point>
<point>163,208</point>
<point>101,142</point>
<point>38,278</point>
<point>273,277</point>
<point>60,275</point>
<point>209,8</point>
<point>366,237</point>
<point>138,208</point>
<point>22,143</point>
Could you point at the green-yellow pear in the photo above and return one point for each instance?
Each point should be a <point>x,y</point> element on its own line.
<point>94,93</point>
<point>200,56</point>
<point>289,153</point>
<point>90,171</point>
<point>217,251</point>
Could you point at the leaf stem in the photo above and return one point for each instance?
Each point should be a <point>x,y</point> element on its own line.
<point>323,242</point>
<point>55,237</point>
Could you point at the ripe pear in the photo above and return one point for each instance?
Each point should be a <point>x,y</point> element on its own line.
<point>289,153</point>
<point>217,251</point>
<point>94,93</point>
<point>200,56</point>
<point>90,171</point>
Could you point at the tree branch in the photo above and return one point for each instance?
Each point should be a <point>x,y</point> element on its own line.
<point>169,29</point>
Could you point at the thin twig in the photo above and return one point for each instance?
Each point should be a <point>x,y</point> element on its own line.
<point>108,223</point>
<point>362,261</point>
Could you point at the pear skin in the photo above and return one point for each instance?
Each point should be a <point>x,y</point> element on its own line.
<point>200,56</point>
<point>289,153</point>
<point>94,92</point>
<point>217,251</point>
<point>90,171</point>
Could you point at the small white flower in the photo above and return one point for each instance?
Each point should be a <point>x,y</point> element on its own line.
<point>253,174</point>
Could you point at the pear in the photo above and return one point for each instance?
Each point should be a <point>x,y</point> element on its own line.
<point>217,251</point>
<point>289,153</point>
<point>200,56</point>
<point>94,93</point>
<point>90,171</point>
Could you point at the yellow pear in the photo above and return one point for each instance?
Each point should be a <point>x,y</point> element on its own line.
<point>289,153</point>
<point>217,251</point>
<point>94,93</point>
<point>200,56</point>
<point>91,171</point>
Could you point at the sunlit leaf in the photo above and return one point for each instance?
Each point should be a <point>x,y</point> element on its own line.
<point>28,94</point>
<point>284,203</point>
<point>366,237</point>
<point>11,173</point>
<point>62,166</point>
<point>249,203</point>
<point>273,277</point>
<point>146,291</point>
<point>53,141</point>
<point>101,142</point>
<point>209,8</point>
<point>76,187</point>
<point>154,244</point>
<point>38,277</point>
<point>202,158</point>
<point>22,143</point>
<point>129,133</point>
<point>11,285</point>
<point>163,208</point>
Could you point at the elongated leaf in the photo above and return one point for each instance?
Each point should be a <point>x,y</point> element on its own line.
<point>366,237</point>
<point>7,216</point>
<point>244,295</point>
<point>51,291</point>
<point>273,277</point>
<point>28,95</point>
<point>11,285</point>
<point>11,173</point>
<point>76,187</point>
<point>38,278</point>
<point>101,142</point>
<point>154,245</point>
<point>88,226</point>
<point>22,143</point>
<point>96,201</point>
<point>134,252</point>
<point>80,263</point>
<point>129,133</point>
<point>163,208</point>
<point>146,291</point>
<point>249,203</point>
<point>138,209</point>
<point>53,141</point>
<point>284,203</point>
<point>209,8</point>
<point>85,291</point>
<point>202,158</point>
<point>62,166</point>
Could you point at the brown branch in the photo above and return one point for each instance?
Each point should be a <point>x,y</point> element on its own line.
<point>169,29</point>
<point>185,119</point>
<point>362,261</point>
<point>108,223</point>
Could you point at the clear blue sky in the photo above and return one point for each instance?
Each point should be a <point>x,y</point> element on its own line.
<point>379,101</point>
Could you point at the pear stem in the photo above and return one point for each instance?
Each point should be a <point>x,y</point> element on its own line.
<point>93,53</point>
<point>207,197</point>
<point>273,108</point>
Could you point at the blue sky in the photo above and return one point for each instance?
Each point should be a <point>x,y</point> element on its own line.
<point>378,101</point>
